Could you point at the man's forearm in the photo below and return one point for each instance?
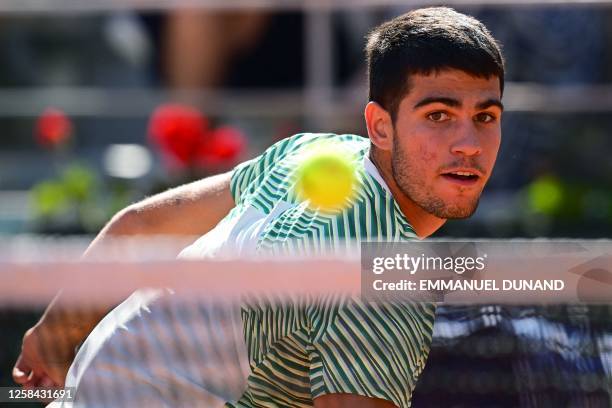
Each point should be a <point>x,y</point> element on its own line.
<point>182,212</point>
<point>70,325</point>
<point>349,401</point>
<point>74,324</point>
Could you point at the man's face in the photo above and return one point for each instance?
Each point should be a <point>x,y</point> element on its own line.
<point>446,137</point>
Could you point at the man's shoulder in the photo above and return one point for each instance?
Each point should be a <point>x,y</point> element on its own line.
<point>302,140</point>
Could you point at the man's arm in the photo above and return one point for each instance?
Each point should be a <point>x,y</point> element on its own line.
<point>183,212</point>
<point>190,209</point>
<point>350,401</point>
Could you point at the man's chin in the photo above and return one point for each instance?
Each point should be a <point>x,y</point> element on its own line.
<point>455,211</point>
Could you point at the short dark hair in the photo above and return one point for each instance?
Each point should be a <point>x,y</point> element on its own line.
<point>424,41</point>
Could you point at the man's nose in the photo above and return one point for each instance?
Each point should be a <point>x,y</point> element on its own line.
<point>466,142</point>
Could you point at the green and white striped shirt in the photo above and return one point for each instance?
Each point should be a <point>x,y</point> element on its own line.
<point>158,349</point>
<point>301,351</point>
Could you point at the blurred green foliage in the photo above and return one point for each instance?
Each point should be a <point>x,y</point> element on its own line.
<point>76,201</point>
<point>545,195</point>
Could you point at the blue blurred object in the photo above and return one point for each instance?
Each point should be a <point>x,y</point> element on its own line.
<point>527,356</point>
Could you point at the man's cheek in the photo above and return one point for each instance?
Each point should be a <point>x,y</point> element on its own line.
<point>494,142</point>
<point>427,155</point>
<point>492,157</point>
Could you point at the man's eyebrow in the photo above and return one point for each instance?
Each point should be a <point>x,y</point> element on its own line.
<point>490,102</point>
<point>453,103</point>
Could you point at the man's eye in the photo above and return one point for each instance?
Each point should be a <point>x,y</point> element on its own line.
<point>485,118</point>
<point>438,116</point>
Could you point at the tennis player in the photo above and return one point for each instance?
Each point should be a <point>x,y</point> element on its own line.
<point>436,79</point>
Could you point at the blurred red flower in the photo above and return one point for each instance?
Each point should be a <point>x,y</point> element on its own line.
<point>180,131</point>
<point>183,135</point>
<point>53,128</point>
<point>223,147</point>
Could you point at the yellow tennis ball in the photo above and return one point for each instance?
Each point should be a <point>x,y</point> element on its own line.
<point>327,179</point>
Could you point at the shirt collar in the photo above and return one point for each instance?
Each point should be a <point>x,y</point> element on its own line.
<point>371,169</point>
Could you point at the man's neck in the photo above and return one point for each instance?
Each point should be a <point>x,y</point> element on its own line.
<point>423,223</point>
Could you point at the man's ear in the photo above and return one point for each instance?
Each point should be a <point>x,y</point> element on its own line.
<point>380,126</point>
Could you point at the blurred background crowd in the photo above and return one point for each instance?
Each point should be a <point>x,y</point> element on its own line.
<point>104,105</point>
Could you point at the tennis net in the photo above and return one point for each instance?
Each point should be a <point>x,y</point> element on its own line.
<point>177,334</point>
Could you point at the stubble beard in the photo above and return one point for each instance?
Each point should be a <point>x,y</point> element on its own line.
<point>405,173</point>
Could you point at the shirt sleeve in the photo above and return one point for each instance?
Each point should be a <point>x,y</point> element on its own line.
<point>371,349</point>
<point>249,174</point>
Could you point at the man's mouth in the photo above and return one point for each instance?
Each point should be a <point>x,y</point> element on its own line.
<point>462,177</point>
